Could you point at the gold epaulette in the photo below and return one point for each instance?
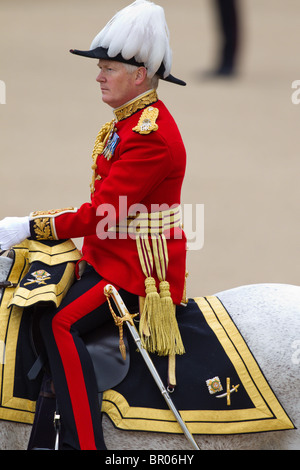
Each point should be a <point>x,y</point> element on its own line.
<point>147,121</point>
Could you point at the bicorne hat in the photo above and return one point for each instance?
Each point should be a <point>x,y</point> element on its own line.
<point>136,35</point>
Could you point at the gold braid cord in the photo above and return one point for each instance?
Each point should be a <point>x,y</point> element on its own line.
<point>99,146</point>
<point>121,113</point>
<point>119,323</point>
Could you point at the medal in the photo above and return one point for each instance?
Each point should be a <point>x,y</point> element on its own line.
<point>110,147</point>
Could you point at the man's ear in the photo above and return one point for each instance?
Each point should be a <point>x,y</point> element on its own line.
<point>141,75</point>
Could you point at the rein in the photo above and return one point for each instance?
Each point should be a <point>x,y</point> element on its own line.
<point>7,284</point>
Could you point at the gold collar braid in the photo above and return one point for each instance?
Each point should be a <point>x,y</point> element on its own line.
<point>135,105</point>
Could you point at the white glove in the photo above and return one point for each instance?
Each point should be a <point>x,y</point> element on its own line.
<point>13,230</point>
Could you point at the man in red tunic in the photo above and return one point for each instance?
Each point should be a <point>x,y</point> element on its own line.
<point>131,227</point>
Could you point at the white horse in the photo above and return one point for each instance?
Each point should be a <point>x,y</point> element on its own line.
<point>268,317</point>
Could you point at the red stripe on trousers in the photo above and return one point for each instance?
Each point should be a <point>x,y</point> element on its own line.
<point>61,325</point>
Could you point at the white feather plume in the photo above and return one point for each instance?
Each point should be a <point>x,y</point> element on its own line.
<point>140,31</point>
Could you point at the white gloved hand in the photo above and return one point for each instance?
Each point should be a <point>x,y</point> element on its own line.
<point>13,230</point>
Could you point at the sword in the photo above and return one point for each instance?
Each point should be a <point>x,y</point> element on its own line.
<point>229,391</point>
<point>110,291</point>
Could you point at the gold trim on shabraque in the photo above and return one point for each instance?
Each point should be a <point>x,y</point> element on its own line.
<point>48,293</point>
<point>52,255</point>
<point>266,415</point>
<point>13,408</point>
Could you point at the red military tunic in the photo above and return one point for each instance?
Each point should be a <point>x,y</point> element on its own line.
<point>147,169</point>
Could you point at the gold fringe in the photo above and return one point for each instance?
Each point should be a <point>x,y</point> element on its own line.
<point>149,333</point>
<point>174,344</point>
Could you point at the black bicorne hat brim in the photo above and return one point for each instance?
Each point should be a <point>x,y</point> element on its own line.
<point>101,53</point>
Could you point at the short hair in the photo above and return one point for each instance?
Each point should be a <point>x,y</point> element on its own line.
<point>153,81</point>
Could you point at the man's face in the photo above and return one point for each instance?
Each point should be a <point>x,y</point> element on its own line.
<point>117,84</point>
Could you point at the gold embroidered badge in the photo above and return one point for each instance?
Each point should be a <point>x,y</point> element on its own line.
<point>228,391</point>
<point>42,229</point>
<point>147,121</point>
<point>40,277</point>
<point>214,385</point>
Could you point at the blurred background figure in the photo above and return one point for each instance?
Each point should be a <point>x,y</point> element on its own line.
<point>228,18</point>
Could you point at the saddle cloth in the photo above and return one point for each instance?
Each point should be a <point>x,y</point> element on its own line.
<point>216,359</point>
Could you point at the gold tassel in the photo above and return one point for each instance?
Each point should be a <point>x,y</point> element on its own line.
<point>158,325</point>
<point>174,344</point>
<point>151,311</point>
